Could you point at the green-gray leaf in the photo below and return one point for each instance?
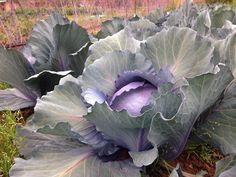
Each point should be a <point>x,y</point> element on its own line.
<point>53,156</point>
<point>128,132</point>
<point>226,167</point>
<point>70,40</point>
<point>202,92</point>
<point>230,53</point>
<point>155,16</point>
<point>187,54</point>
<point>14,68</point>
<point>64,104</point>
<point>41,40</point>
<point>203,23</point>
<point>220,15</point>
<point>45,80</point>
<point>110,27</point>
<point>119,41</point>
<point>142,29</point>
<point>220,126</point>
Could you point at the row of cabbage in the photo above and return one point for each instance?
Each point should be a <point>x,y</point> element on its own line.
<point>139,87</point>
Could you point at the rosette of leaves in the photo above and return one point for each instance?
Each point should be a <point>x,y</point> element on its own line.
<point>137,99</point>
<point>55,48</point>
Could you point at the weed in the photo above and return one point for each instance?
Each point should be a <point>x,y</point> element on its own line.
<point>8,146</point>
<point>4,86</point>
<point>203,151</point>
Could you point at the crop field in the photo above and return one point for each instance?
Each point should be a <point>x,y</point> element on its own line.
<point>117,88</point>
<point>17,20</point>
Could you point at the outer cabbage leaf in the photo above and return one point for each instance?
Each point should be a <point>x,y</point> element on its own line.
<point>14,69</point>
<point>45,80</point>
<point>103,73</point>
<point>144,158</point>
<point>170,136</point>
<point>230,53</point>
<point>156,16</point>
<point>58,45</point>
<point>110,27</point>
<point>142,29</point>
<point>70,40</point>
<point>203,23</point>
<point>220,14</point>
<point>78,59</point>
<point>219,129</point>
<point>65,104</point>
<point>166,101</point>
<point>13,99</point>
<point>41,41</point>
<point>224,32</point>
<point>226,167</point>
<point>219,52</point>
<point>61,129</point>
<point>187,54</point>
<point>54,46</point>
<point>184,16</point>
<point>119,41</point>
<point>229,25</point>
<point>134,18</point>
<point>59,156</point>
<point>177,172</point>
<point>127,132</point>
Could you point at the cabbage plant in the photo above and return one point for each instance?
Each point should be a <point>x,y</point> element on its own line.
<point>216,21</point>
<point>56,48</point>
<point>138,99</point>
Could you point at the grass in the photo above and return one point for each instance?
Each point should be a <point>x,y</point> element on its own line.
<point>8,146</point>
<point>203,151</point>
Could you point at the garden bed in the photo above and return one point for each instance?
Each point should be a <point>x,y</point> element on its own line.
<point>120,102</point>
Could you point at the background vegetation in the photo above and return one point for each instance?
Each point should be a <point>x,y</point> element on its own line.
<point>18,16</point>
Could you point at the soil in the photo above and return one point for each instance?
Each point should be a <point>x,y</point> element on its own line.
<point>193,164</point>
<point>190,164</point>
<point>25,113</point>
